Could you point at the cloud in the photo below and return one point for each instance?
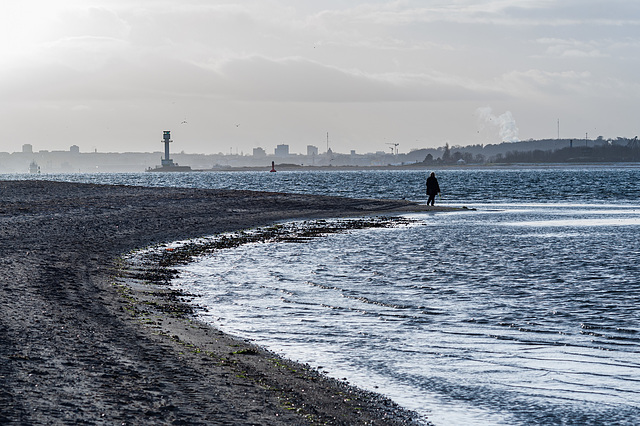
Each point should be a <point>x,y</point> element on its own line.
<point>301,80</point>
<point>83,53</point>
<point>512,13</point>
<point>539,83</point>
<point>572,48</point>
<point>98,22</point>
<point>93,69</point>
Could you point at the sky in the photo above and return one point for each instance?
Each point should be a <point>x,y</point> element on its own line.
<point>230,76</point>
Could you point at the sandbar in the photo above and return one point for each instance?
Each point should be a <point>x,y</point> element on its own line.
<point>74,347</point>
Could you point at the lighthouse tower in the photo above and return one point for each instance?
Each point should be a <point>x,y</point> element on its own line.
<point>166,138</point>
<point>167,163</point>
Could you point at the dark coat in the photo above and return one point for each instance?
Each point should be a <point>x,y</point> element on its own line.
<point>432,186</point>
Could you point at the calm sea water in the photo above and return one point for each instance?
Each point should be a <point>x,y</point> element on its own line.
<point>524,311</point>
<point>595,184</point>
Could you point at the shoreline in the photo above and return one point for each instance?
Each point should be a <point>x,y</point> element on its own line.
<point>70,350</point>
<point>145,281</point>
<point>285,167</point>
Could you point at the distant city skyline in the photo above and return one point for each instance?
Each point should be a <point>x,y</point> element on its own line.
<point>230,76</point>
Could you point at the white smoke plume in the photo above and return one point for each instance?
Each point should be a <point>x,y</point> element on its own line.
<point>504,123</point>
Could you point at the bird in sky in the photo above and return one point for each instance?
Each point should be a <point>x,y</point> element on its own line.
<point>184,122</point>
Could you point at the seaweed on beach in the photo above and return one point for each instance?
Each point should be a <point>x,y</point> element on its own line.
<point>156,266</point>
<point>158,275</point>
<point>150,299</point>
<point>160,260</point>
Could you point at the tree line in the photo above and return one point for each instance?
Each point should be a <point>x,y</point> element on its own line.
<point>578,151</point>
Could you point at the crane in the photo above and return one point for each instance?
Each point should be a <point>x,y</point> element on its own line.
<point>395,145</point>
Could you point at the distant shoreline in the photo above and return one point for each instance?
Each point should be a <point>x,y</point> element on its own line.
<point>293,167</point>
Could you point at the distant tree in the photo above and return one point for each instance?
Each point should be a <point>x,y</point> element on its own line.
<point>428,159</point>
<point>446,155</point>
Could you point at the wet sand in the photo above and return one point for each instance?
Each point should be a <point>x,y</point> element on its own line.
<point>80,342</point>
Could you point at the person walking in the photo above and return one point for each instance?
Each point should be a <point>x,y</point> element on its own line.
<point>432,188</point>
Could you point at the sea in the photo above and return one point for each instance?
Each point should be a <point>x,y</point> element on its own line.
<point>522,309</point>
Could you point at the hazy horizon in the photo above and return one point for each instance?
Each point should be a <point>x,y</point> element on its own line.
<point>227,76</point>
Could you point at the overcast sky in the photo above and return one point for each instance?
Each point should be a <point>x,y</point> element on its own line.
<point>112,75</point>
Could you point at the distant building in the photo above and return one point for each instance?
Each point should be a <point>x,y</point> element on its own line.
<point>353,152</point>
<point>259,152</point>
<point>312,150</point>
<point>74,149</point>
<point>282,150</point>
<point>27,148</point>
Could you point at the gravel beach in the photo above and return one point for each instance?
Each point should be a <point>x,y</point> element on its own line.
<point>75,349</point>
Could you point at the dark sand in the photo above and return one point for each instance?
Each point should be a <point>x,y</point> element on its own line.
<point>75,346</point>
